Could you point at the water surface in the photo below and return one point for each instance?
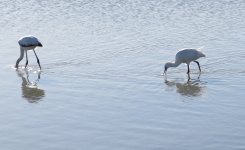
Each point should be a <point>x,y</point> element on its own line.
<point>101,86</point>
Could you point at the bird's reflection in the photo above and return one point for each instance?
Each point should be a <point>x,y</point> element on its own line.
<point>191,87</point>
<point>30,90</point>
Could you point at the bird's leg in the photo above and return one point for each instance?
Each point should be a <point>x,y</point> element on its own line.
<point>188,67</point>
<point>189,78</point>
<point>198,65</point>
<point>26,60</point>
<point>37,59</point>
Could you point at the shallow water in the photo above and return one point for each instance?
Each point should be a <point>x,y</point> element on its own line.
<point>101,84</point>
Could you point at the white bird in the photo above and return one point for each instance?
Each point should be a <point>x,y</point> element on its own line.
<point>185,56</point>
<point>28,43</point>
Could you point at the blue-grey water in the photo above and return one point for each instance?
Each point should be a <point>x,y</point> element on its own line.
<point>101,85</point>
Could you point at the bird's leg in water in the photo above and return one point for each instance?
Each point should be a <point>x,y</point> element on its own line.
<point>198,65</point>
<point>37,59</point>
<point>26,60</point>
<point>189,78</point>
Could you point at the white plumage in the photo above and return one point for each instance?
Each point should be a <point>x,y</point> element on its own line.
<point>28,43</point>
<point>185,56</point>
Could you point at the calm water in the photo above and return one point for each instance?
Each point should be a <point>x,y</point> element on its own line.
<point>101,86</point>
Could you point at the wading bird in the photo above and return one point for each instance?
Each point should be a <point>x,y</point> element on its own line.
<point>185,56</point>
<point>28,43</point>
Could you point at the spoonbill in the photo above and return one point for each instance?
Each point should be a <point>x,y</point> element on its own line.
<point>28,43</point>
<point>185,56</point>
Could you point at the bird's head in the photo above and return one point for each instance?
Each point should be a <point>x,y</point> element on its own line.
<point>166,66</point>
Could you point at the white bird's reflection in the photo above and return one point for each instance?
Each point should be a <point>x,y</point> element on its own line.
<point>30,90</point>
<point>192,87</point>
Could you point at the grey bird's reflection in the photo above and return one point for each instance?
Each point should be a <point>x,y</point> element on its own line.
<point>30,90</point>
<point>193,87</point>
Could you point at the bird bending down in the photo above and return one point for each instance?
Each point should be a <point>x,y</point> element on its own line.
<point>185,56</point>
<point>28,43</point>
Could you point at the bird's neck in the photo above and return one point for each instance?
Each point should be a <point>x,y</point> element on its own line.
<point>174,64</point>
<point>20,58</point>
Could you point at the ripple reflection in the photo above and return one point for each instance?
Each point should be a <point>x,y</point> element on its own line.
<point>193,87</point>
<point>30,90</point>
